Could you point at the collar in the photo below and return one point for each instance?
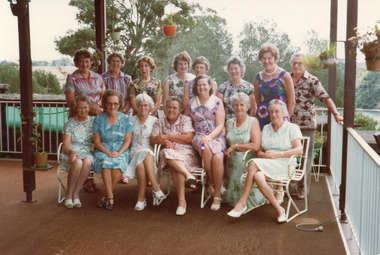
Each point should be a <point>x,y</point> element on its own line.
<point>175,79</point>
<point>209,104</point>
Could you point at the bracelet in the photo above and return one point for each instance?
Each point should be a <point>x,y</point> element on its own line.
<point>337,113</point>
<point>237,146</point>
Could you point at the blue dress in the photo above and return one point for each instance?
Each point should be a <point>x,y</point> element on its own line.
<point>112,138</point>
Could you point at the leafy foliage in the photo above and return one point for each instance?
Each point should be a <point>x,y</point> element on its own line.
<point>254,35</point>
<point>43,82</point>
<point>366,122</point>
<point>368,92</point>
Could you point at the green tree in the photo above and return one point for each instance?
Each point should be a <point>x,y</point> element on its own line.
<point>43,83</point>
<point>368,92</point>
<point>254,35</point>
<point>140,23</point>
<point>210,39</point>
<point>366,122</point>
<point>47,81</point>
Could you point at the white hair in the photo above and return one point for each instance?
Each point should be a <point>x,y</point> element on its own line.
<point>144,98</point>
<point>281,104</point>
<point>241,97</point>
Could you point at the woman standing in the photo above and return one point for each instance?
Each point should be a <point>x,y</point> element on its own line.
<point>141,157</point>
<point>77,149</point>
<point>208,116</point>
<point>235,68</point>
<point>176,84</point>
<point>243,134</point>
<point>201,66</point>
<point>272,83</point>
<point>115,79</point>
<point>146,84</point>
<point>112,137</point>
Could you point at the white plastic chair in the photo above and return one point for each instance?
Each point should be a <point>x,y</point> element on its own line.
<point>199,174</point>
<point>296,175</point>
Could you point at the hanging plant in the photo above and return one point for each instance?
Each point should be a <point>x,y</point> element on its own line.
<point>368,41</point>
<point>169,26</point>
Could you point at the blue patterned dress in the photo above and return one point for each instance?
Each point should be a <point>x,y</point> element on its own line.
<point>228,90</point>
<point>269,90</point>
<point>81,139</point>
<point>204,123</point>
<point>112,138</point>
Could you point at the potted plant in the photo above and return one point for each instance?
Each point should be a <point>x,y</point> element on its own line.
<point>368,42</point>
<point>19,7</point>
<point>318,143</point>
<point>169,26</point>
<point>115,33</point>
<point>40,156</point>
<point>327,56</point>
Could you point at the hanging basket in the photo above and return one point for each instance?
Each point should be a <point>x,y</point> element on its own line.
<point>373,64</point>
<point>169,30</point>
<point>19,9</point>
<point>328,61</point>
<point>115,36</point>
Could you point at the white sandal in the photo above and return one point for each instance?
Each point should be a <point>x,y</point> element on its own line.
<point>140,205</point>
<point>159,196</point>
<point>215,207</point>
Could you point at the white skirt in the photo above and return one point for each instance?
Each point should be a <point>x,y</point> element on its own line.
<point>136,159</point>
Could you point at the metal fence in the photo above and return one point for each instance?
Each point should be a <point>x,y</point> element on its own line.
<point>50,114</point>
<point>363,193</point>
<point>336,147</point>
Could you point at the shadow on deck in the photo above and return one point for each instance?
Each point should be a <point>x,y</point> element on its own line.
<point>48,228</point>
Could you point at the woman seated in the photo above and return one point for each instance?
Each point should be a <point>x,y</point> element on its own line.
<point>243,134</point>
<point>112,137</point>
<point>175,132</point>
<point>141,157</point>
<point>77,149</point>
<point>280,140</point>
<point>208,116</point>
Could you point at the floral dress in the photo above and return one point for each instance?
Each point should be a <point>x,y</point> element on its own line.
<point>152,88</point>
<point>177,87</point>
<point>140,144</point>
<point>233,170</point>
<point>269,90</point>
<point>278,141</point>
<point>228,90</point>
<point>204,123</point>
<point>183,152</point>
<point>81,139</point>
<point>112,138</point>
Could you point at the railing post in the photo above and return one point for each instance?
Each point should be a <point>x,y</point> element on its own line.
<point>349,95</point>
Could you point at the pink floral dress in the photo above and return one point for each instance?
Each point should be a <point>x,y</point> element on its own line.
<point>183,152</point>
<point>269,90</point>
<point>204,123</point>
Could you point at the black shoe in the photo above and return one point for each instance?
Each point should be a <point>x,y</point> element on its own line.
<point>102,202</point>
<point>109,206</point>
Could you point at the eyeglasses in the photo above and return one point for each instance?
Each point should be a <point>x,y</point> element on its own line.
<point>297,63</point>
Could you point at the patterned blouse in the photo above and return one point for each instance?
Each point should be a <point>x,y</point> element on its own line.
<point>228,90</point>
<point>305,90</point>
<point>176,86</point>
<point>121,84</point>
<point>153,88</point>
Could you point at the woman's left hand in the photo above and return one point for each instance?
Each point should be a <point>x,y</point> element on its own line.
<point>206,139</point>
<point>229,151</point>
<point>113,154</point>
<point>73,156</point>
<point>272,154</point>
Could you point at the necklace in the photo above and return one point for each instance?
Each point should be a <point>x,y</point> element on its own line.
<point>238,129</point>
<point>269,74</point>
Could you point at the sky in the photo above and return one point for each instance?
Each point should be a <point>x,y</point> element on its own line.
<point>51,19</point>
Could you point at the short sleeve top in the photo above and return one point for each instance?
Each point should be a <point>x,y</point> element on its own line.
<point>282,139</point>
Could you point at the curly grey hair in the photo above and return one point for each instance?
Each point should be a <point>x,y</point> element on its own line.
<point>176,99</point>
<point>201,60</point>
<point>281,104</point>
<point>81,98</point>
<point>235,60</point>
<point>144,98</point>
<point>241,97</point>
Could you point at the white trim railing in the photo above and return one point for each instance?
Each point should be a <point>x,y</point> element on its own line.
<point>336,152</point>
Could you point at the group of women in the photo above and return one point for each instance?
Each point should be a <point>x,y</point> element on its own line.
<point>202,121</point>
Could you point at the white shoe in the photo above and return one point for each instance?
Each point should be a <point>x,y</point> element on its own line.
<point>140,205</point>
<point>69,203</point>
<point>159,196</point>
<point>223,191</point>
<point>236,214</point>
<point>180,211</point>
<point>77,203</point>
<point>282,217</point>
<point>215,207</point>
